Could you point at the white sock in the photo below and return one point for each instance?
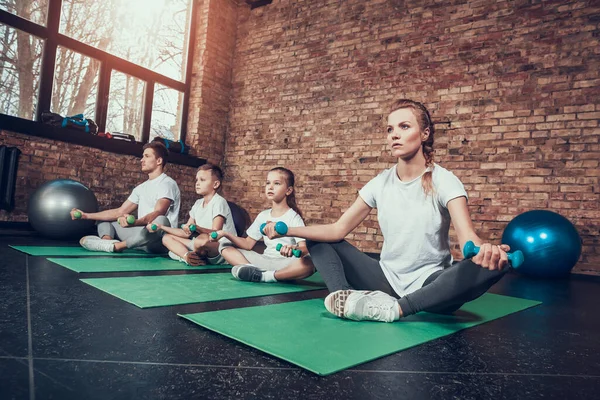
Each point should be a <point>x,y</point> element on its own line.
<point>396,312</point>
<point>268,276</point>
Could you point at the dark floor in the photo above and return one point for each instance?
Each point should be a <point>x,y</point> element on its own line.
<point>62,339</point>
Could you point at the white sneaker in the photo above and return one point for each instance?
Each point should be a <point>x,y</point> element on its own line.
<point>94,243</point>
<point>175,257</point>
<point>89,237</point>
<point>363,305</point>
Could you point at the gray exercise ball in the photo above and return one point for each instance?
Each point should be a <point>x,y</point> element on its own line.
<point>50,206</point>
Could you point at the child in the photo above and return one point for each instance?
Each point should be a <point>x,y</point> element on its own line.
<point>208,214</point>
<point>273,265</point>
<point>415,201</point>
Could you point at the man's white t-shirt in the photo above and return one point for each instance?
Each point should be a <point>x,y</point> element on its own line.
<point>205,214</point>
<point>148,193</point>
<point>291,218</point>
<point>414,226</point>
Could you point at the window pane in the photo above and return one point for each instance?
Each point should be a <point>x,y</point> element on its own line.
<point>125,105</point>
<point>166,113</point>
<point>33,10</point>
<point>150,33</point>
<point>75,84</point>
<point>19,72</point>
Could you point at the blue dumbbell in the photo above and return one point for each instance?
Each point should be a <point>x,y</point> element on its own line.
<point>214,235</point>
<point>296,252</point>
<point>516,258</point>
<point>280,227</point>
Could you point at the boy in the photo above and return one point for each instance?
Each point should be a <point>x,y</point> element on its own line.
<point>210,213</point>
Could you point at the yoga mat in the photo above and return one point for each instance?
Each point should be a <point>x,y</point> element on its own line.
<point>76,251</point>
<point>158,291</point>
<point>305,334</point>
<point>128,264</point>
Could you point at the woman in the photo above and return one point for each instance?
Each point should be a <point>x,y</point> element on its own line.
<point>415,200</point>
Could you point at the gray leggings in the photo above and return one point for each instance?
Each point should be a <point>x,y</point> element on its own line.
<point>343,266</point>
<point>136,237</point>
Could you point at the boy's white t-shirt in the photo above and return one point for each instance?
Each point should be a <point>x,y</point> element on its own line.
<point>291,218</point>
<point>414,226</point>
<point>148,193</point>
<point>204,215</point>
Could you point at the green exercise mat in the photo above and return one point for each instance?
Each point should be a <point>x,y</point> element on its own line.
<point>158,291</point>
<point>129,264</point>
<point>305,334</point>
<point>76,251</point>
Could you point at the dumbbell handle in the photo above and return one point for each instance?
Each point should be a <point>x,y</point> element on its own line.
<point>280,227</point>
<point>516,258</point>
<point>296,252</point>
<point>192,227</point>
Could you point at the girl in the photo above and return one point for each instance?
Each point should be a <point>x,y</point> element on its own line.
<point>208,214</point>
<point>273,265</point>
<point>415,201</point>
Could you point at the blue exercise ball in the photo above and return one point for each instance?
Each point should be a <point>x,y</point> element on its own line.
<point>549,242</point>
<point>50,205</point>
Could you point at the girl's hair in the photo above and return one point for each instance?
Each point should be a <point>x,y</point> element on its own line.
<point>424,120</point>
<point>289,179</point>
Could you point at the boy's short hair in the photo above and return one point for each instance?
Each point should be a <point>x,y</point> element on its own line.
<point>160,151</point>
<point>215,171</point>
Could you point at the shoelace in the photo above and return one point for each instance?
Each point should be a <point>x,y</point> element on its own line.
<point>380,311</point>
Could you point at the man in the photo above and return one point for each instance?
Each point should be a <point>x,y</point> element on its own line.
<point>157,201</point>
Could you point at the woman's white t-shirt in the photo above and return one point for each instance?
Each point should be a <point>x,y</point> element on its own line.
<point>414,226</point>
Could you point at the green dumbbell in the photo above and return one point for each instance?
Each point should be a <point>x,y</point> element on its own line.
<point>154,227</point>
<point>192,227</point>
<point>214,235</point>
<point>130,220</point>
<point>77,214</point>
<point>516,258</point>
<point>295,252</point>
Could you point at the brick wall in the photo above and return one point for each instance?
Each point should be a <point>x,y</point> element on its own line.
<point>110,176</point>
<point>513,86</point>
<point>211,78</point>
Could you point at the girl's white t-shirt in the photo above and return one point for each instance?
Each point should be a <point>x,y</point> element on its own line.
<point>291,218</point>
<point>414,226</point>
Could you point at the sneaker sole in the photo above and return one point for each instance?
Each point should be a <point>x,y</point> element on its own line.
<point>334,303</point>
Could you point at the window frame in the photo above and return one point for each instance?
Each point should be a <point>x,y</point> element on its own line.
<point>108,62</point>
